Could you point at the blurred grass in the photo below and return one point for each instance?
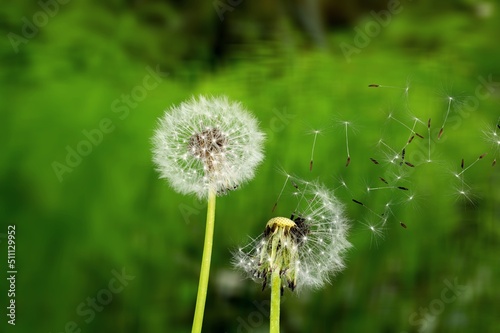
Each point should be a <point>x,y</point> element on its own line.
<point>111,211</point>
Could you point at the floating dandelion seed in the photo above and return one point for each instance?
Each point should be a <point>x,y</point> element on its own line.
<point>281,192</point>
<point>207,143</point>
<point>384,217</point>
<point>347,145</point>
<point>316,132</point>
<point>411,129</point>
<point>342,184</point>
<point>346,123</point>
<point>462,165</point>
<point>306,249</point>
<point>450,99</point>
<point>376,232</point>
<point>369,189</point>
<point>406,89</point>
<point>493,137</point>
<point>463,190</point>
<point>412,135</point>
<point>429,140</point>
<point>392,156</point>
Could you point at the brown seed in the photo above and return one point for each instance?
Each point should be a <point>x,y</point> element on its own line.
<point>374,85</point>
<point>358,202</point>
<point>440,133</point>
<point>462,164</point>
<point>382,179</point>
<point>374,160</point>
<point>409,164</point>
<point>348,161</point>
<point>402,224</point>
<point>411,139</point>
<point>483,155</point>
<point>429,123</point>
<point>420,136</point>
<point>311,165</point>
<point>403,188</point>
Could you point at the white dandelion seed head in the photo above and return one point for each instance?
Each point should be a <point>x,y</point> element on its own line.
<point>308,248</point>
<point>207,143</point>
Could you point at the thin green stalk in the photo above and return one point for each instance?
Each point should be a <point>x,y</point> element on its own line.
<point>205,264</point>
<point>275,301</point>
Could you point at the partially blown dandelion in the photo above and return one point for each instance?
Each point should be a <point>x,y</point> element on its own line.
<point>306,248</point>
<point>302,251</point>
<point>207,146</point>
<point>207,143</point>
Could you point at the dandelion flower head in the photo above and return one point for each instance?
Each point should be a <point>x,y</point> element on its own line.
<point>307,248</point>
<point>207,143</point>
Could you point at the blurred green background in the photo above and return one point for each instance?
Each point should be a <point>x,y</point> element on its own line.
<point>73,70</point>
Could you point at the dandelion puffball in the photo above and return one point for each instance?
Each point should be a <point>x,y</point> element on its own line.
<point>307,248</point>
<point>207,143</point>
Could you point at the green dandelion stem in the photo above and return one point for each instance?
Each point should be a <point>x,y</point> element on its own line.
<point>205,264</point>
<point>275,301</point>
